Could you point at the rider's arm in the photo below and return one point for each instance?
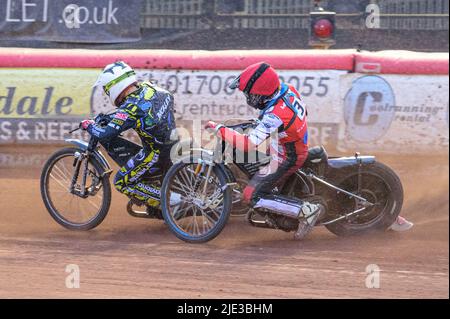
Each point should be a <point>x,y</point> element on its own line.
<point>119,123</point>
<point>268,125</point>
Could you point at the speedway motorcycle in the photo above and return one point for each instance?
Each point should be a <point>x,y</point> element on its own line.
<point>356,194</point>
<point>75,181</point>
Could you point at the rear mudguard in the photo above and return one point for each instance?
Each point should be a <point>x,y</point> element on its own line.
<point>342,166</point>
<point>97,154</point>
<point>343,162</point>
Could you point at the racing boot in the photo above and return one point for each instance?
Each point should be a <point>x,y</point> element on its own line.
<point>401,224</point>
<point>154,207</point>
<point>309,215</point>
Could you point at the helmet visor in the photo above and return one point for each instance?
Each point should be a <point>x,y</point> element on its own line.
<point>235,83</point>
<point>109,85</point>
<point>256,101</point>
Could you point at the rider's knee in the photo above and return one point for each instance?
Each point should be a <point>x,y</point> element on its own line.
<point>119,182</point>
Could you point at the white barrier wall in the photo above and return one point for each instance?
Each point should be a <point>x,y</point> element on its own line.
<point>205,94</point>
<point>348,111</point>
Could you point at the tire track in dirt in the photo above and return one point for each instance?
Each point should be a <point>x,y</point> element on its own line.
<point>129,257</point>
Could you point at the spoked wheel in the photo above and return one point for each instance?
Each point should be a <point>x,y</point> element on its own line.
<point>68,205</point>
<point>380,186</point>
<point>195,207</point>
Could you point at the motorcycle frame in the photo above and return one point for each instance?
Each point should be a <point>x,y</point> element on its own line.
<point>361,200</point>
<point>363,204</point>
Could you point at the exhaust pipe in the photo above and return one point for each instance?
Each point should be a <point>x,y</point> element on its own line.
<point>282,205</point>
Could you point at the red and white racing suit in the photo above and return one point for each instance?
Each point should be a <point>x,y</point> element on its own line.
<point>284,117</point>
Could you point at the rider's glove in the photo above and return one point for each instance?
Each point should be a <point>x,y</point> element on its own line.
<point>102,119</point>
<point>211,125</point>
<point>85,124</point>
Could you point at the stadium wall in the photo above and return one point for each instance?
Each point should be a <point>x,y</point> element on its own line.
<point>388,101</point>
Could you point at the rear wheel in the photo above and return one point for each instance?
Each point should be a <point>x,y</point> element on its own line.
<point>195,208</point>
<point>380,186</point>
<point>66,206</point>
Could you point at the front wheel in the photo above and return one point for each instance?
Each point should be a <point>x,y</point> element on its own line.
<point>196,204</point>
<point>380,186</point>
<point>63,195</point>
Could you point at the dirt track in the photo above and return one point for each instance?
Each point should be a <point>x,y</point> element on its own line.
<point>129,257</point>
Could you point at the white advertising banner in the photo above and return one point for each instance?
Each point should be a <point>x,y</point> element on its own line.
<point>205,94</point>
<point>350,112</point>
<point>43,105</point>
<point>394,113</point>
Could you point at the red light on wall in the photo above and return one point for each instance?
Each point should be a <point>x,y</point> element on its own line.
<point>323,28</point>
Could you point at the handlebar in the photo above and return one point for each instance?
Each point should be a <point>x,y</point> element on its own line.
<point>242,126</point>
<point>74,130</point>
<point>101,119</point>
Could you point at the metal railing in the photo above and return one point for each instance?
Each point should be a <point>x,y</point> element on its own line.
<point>173,14</point>
<point>414,14</point>
<point>287,14</point>
<point>271,14</point>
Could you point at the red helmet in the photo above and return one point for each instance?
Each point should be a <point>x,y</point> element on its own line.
<point>258,82</point>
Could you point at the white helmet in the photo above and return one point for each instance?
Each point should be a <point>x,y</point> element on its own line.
<point>115,78</point>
